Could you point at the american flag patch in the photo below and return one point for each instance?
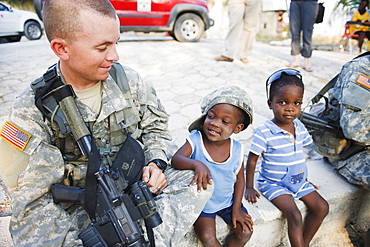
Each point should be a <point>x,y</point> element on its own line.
<point>15,136</point>
<point>363,80</point>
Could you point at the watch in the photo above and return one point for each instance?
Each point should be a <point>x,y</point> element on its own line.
<point>160,163</point>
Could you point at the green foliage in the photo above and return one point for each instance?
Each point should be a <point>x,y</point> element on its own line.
<point>18,3</point>
<point>347,4</point>
<point>21,4</point>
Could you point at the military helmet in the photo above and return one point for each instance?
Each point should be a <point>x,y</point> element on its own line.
<point>232,95</point>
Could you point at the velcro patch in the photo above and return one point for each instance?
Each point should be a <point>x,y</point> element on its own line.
<point>15,136</point>
<point>363,80</point>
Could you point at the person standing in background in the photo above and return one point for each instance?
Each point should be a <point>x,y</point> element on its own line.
<point>244,18</point>
<point>302,16</point>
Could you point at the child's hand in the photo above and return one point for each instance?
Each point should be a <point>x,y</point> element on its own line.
<point>251,195</point>
<point>245,220</point>
<point>202,176</point>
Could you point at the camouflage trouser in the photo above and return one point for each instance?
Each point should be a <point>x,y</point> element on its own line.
<point>355,169</point>
<point>179,206</point>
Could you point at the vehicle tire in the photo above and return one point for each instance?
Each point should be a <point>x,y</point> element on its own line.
<point>171,34</point>
<point>188,28</point>
<point>32,30</point>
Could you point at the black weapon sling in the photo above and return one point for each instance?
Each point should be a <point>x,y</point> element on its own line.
<point>46,105</point>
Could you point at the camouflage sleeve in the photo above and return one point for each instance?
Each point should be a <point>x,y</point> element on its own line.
<point>154,118</point>
<point>36,220</point>
<point>354,111</point>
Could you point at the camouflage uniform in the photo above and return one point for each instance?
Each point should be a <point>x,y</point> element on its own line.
<point>353,93</point>
<point>350,102</point>
<point>36,220</point>
<point>352,90</point>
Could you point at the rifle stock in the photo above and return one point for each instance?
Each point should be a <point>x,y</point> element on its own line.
<point>64,193</point>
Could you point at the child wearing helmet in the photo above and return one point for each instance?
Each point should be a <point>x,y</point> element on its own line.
<point>216,158</point>
<point>283,172</point>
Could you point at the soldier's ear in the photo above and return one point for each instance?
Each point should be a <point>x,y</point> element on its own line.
<point>59,48</point>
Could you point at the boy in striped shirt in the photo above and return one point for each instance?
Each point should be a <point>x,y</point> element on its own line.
<point>283,173</point>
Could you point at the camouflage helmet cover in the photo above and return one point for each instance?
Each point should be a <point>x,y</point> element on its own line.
<point>232,95</point>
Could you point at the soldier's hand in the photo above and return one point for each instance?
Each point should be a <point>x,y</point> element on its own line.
<point>154,178</point>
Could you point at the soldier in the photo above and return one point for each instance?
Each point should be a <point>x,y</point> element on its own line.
<point>347,109</point>
<point>35,153</point>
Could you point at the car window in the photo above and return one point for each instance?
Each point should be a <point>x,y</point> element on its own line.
<point>3,8</point>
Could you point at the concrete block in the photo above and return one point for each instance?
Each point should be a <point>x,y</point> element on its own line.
<point>270,227</point>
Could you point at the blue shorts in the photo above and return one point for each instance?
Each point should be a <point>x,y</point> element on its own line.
<point>225,214</point>
<point>271,189</point>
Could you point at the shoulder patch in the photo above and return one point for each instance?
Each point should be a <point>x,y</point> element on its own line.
<point>15,136</point>
<point>363,80</point>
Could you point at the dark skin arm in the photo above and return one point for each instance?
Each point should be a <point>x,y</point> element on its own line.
<point>364,23</point>
<point>251,194</point>
<point>180,161</point>
<point>238,214</point>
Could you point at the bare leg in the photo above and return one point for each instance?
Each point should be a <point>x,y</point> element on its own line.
<point>296,62</point>
<point>289,209</point>
<point>318,208</point>
<point>306,65</point>
<point>205,229</point>
<point>238,237</point>
<point>360,41</point>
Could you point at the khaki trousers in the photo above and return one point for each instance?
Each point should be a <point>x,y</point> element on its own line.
<point>244,19</point>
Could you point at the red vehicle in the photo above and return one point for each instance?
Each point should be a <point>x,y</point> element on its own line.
<point>184,20</point>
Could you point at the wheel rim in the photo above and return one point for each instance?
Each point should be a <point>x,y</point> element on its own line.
<point>189,29</point>
<point>34,31</point>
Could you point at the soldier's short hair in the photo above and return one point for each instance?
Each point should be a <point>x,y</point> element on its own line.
<point>61,17</point>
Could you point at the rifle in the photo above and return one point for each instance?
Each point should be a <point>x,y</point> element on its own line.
<point>115,215</point>
<point>315,123</point>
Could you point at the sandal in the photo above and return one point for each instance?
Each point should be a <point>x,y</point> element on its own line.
<point>244,60</point>
<point>308,69</point>
<point>224,59</point>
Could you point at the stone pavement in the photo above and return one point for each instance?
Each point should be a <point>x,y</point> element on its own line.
<point>183,73</point>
